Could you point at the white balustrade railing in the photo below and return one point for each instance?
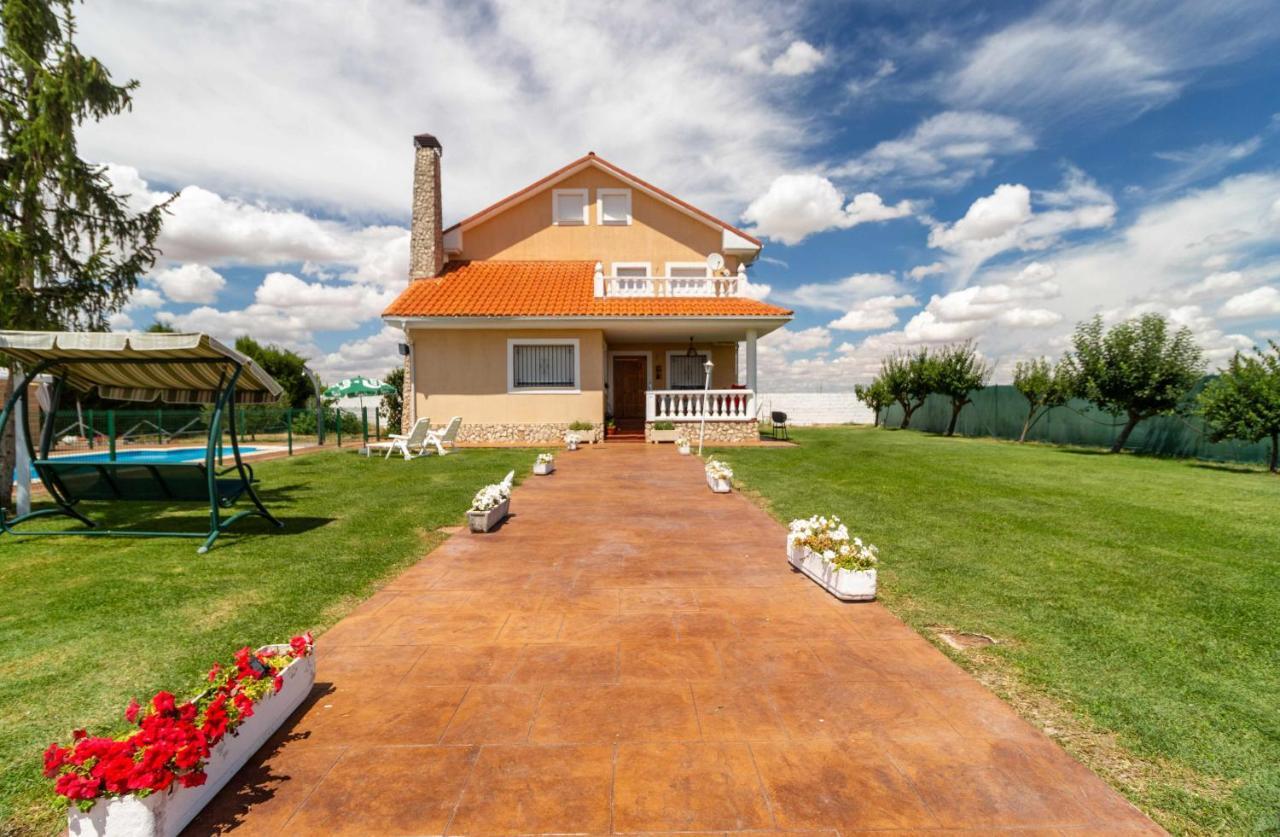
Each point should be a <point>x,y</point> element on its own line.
<point>631,286</point>
<point>695,404</point>
<point>669,286</point>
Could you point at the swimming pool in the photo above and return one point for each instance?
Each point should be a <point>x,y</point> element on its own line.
<point>154,455</point>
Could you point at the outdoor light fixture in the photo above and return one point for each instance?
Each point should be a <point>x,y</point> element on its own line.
<point>691,351</point>
<point>403,348</point>
<point>702,430</point>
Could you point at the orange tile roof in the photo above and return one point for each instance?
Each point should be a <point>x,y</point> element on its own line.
<point>592,157</point>
<point>549,289</point>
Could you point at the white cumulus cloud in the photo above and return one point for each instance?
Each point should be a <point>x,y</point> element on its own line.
<point>189,282</point>
<point>798,205</point>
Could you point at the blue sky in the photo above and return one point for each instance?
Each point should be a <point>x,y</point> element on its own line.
<point>921,172</point>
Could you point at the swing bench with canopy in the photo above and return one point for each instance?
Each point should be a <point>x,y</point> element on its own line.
<point>173,368</point>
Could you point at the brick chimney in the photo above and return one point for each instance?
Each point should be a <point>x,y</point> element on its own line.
<point>426,241</point>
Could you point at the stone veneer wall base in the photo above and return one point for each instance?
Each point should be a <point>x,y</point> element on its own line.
<point>534,434</point>
<point>717,431</point>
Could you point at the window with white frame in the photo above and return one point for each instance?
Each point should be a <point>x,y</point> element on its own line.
<point>631,270</point>
<point>542,365</point>
<point>687,270</point>
<point>569,206</point>
<point>686,371</point>
<point>614,206</point>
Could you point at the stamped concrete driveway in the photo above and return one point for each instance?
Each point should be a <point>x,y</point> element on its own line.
<point>630,653</point>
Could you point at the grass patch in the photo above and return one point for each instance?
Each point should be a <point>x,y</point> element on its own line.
<point>1136,600</point>
<point>89,622</point>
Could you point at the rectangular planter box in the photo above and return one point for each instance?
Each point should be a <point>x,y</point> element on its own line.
<point>685,451</point>
<point>845,585</point>
<point>663,435</point>
<point>543,468</point>
<point>165,814</point>
<point>719,486</point>
<point>483,521</point>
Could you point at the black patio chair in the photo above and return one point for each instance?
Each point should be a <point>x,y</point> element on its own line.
<point>779,424</point>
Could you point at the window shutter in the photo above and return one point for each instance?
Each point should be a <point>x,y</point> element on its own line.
<point>542,366</point>
<point>614,208</point>
<point>570,207</point>
<point>687,372</point>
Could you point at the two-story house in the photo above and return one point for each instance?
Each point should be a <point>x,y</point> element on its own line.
<point>589,295</point>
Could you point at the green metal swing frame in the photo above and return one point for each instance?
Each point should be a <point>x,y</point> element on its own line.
<point>70,482</point>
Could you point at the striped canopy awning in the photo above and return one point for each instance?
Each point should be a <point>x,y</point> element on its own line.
<point>175,368</point>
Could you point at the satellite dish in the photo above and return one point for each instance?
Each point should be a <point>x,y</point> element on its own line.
<point>715,262</point>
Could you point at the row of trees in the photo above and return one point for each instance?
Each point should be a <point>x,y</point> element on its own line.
<point>1138,369</point>
<point>908,378</point>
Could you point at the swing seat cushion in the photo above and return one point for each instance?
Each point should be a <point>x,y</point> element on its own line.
<point>136,480</point>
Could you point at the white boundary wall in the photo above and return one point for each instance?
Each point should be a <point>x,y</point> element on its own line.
<point>815,407</point>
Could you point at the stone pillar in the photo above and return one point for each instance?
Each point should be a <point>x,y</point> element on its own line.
<point>751,359</point>
<point>408,392</point>
<point>426,240</point>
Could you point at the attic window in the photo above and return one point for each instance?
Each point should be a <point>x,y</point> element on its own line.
<point>569,206</point>
<point>615,206</point>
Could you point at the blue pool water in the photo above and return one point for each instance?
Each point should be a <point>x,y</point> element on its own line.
<point>169,455</point>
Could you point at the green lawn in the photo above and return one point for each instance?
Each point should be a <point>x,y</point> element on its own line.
<point>88,622</point>
<point>1137,600</point>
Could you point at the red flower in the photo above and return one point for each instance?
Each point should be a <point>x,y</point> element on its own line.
<point>132,710</point>
<point>54,758</point>
<point>163,702</point>
<point>77,734</point>
<point>194,779</point>
<point>279,682</point>
<point>300,645</point>
<point>214,672</point>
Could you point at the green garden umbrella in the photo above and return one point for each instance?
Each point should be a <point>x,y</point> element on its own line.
<point>358,387</point>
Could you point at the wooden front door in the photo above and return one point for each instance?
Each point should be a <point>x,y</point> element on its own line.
<point>629,381</point>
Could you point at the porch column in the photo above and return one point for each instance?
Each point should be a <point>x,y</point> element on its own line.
<point>751,359</point>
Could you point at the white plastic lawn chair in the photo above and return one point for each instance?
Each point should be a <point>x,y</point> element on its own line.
<point>405,443</point>
<point>443,438</point>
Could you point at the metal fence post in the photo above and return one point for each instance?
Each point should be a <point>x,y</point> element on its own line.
<point>337,416</point>
<point>92,431</point>
<point>377,425</point>
<point>111,435</point>
<point>364,425</point>
<point>288,423</point>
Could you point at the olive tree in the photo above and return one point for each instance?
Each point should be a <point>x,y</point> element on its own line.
<point>1044,385</point>
<point>1243,402</point>
<point>875,395</point>
<point>958,370</point>
<point>1139,368</point>
<point>908,378</point>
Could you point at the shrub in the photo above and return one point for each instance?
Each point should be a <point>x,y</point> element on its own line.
<point>664,425</point>
<point>581,425</point>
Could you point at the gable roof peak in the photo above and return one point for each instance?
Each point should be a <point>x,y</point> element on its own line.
<point>593,159</point>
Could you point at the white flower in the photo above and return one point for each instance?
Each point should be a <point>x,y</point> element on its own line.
<point>491,496</point>
<point>545,459</point>
<point>829,538</point>
<point>717,470</point>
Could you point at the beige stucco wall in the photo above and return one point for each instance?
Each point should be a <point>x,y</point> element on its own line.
<point>463,372</point>
<point>657,234</point>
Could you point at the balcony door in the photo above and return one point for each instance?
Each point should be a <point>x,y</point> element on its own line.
<point>629,381</point>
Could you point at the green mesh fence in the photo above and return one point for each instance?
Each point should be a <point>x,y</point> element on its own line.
<point>94,429</point>
<point>999,411</point>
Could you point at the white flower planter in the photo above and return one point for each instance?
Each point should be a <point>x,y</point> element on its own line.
<point>543,468</point>
<point>571,445</point>
<point>719,486</point>
<point>685,450</point>
<point>845,585</point>
<point>165,814</point>
<point>483,521</point>
<point>663,435</point>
